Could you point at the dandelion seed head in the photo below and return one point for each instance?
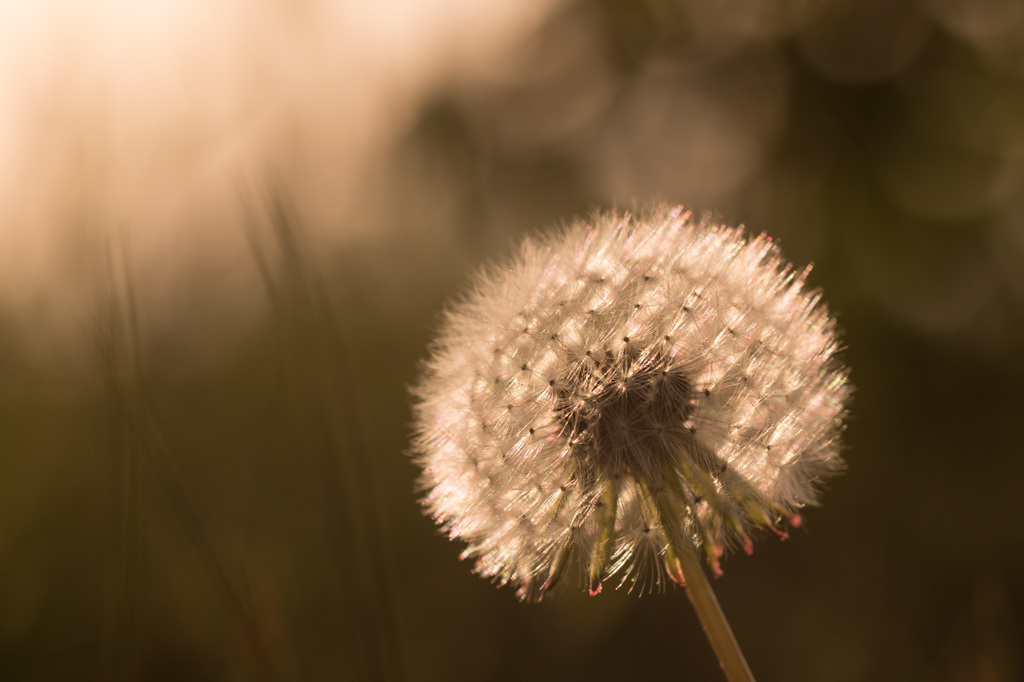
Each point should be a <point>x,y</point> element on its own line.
<point>625,390</point>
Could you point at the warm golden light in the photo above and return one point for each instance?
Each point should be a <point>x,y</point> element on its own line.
<point>143,117</point>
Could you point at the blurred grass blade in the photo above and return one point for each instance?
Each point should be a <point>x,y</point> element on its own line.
<point>139,452</point>
<point>320,357</point>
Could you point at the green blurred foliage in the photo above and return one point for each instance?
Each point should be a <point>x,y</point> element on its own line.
<point>168,516</point>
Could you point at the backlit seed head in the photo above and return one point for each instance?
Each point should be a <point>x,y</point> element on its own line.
<point>624,391</point>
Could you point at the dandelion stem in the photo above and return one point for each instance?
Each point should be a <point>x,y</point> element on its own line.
<point>716,627</point>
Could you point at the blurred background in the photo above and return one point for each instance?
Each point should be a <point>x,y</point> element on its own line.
<point>226,234</point>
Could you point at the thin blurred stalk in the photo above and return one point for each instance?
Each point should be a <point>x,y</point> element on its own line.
<point>319,352</point>
<point>121,587</point>
<point>138,448</point>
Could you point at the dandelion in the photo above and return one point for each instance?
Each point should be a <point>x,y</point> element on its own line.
<point>629,396</point>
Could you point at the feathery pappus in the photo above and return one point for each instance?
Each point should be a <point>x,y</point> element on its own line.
<point>623,391</point>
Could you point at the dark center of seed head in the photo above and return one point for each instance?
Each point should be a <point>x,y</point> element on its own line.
<point>625,409</point>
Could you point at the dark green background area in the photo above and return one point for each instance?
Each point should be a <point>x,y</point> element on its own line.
<point>167,517</point>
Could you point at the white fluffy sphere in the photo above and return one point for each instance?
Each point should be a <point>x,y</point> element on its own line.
<point>625,390</point>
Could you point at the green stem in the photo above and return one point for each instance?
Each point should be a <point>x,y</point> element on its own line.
<point>716,627</point>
